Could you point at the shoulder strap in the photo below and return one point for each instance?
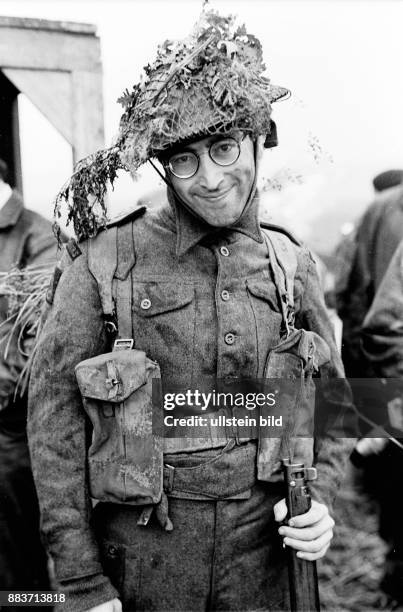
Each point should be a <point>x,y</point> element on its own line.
<point>122,284</point>
<point>283,263</point>
<point>102,263</point>
<point>287,260</point>
<point>111,257</point>
<point>280,229</point>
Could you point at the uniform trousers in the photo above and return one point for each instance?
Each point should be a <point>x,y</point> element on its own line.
<point>224,552</point>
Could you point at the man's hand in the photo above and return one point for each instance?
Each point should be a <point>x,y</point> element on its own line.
<point>110,606</point>
<point>309,533</point>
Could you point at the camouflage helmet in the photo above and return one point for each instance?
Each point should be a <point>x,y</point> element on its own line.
<point>210,82</point>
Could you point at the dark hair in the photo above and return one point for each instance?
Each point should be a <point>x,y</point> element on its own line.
<point>388,179</point>
<point>3,171</point>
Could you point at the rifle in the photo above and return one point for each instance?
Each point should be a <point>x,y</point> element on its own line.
<point>303,577</point>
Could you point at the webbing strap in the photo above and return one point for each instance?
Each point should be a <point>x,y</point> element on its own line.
<point>286,260</point>
<point>126,252</point>
<point>102,262</point>
<point>122,290</point>
<point>122,283</point>
<point>111,257</point>
<point>283,263</point>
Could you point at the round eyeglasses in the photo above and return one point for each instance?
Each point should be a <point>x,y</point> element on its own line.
<point>223,152</point>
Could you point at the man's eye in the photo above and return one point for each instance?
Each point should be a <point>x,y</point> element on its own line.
<point>181,159</point>
<point>225,147</point>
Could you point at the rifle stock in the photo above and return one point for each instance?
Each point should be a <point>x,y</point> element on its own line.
<point>304,592</point>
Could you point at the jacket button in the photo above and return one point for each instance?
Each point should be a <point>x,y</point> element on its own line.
<point>145,304</point>
<point>225,295</point>
<point>229,338</point>
<point>224,251</point>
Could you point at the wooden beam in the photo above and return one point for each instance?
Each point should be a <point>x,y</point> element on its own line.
<point>46,49</point>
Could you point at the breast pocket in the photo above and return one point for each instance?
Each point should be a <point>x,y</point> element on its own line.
<point>164,323</point>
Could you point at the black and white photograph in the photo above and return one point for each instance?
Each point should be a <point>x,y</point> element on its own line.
<point>201,305</point>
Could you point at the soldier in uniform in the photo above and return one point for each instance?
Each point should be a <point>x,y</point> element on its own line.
<point>382,336</point>
<point>26,239</point>
<point>191,284</point>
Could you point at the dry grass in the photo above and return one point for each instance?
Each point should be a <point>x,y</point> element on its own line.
<point>25,291</point>
<point>350,574</point>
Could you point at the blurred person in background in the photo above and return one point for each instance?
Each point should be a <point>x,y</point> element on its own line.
<point>362,259</point>
<point>26,239</point>
<point>382,336</point>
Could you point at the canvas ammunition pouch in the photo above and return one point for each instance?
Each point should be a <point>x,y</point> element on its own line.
<point>125,457</point>
<point>293,362</point>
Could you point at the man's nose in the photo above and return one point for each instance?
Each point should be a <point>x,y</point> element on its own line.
<point>210,174</point>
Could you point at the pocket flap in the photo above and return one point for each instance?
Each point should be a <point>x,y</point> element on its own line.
<point>113,377</point>
<point>265,290</point>
<point>150,299</point>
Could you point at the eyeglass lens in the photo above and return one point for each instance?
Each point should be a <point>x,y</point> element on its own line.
<point>223,152</point>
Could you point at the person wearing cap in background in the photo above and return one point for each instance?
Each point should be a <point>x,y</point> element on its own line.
<point>26,239</point>
<point>190,283</point>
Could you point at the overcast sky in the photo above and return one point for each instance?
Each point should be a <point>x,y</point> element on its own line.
<point>341,59</point>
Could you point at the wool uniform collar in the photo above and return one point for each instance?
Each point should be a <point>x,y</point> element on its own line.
<point>190,230</point>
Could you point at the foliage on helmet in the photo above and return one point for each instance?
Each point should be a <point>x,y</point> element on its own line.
<point>212,81</point>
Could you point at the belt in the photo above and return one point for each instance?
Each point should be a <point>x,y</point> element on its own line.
<point>230,474</point>
<point>206,476</point>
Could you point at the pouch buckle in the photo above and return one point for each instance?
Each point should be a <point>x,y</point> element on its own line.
<point>145,516</point>
<point>169,472</point>
<point>123,344</point>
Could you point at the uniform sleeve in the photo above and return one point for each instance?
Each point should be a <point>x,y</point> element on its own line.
<point>57,429</point>
<point>382,332</point>
<point>332,446</point>
<point>354,300</point>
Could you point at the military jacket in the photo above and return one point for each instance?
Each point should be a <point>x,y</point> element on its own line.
<point>203,304</point>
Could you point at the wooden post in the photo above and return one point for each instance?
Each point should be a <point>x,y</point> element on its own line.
<point>57,65</point>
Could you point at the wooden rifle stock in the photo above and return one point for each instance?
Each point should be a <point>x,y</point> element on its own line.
<point>304,592</point>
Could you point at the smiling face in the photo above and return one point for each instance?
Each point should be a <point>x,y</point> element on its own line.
<point>216,193</point>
